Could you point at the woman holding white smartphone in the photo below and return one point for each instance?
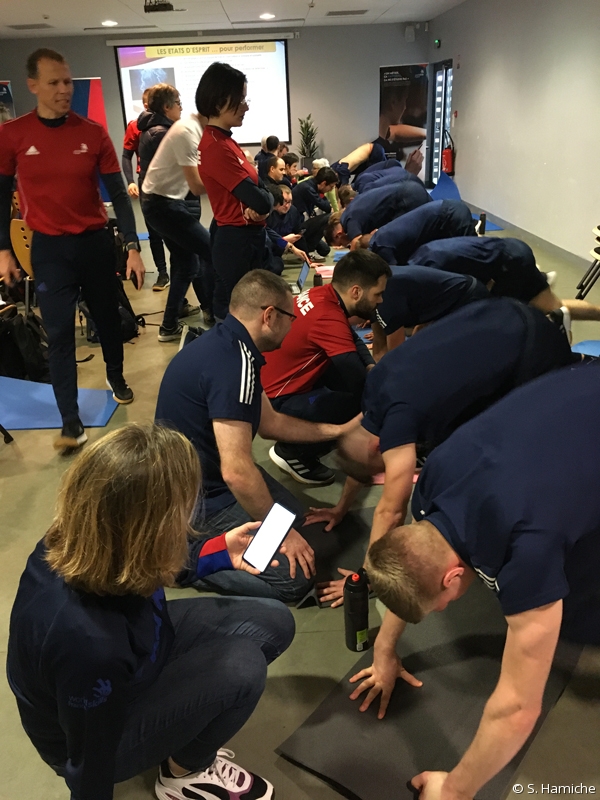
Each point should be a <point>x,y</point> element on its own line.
<point>110,679</point>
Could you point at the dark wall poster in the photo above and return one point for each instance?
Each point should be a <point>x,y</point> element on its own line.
<point>7,106</point>
<point>403,110</point>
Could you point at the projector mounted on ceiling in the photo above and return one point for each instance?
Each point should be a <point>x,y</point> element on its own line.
<point>157,5</point>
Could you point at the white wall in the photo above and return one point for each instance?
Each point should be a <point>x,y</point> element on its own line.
<point>333,74</point>
<point>528,100</point>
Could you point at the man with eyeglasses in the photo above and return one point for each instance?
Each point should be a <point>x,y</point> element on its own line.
<point>212,393</point>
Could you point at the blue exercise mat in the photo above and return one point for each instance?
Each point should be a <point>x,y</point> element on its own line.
<point>446,189</point>
<point>339,254</point>
<point>25,405</point>
<point>363,333</point>
<point>143,237</point>
<point>591,347</point>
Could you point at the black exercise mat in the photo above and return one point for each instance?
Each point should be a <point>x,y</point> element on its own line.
<point>344,546</point>
<point>457,655</point>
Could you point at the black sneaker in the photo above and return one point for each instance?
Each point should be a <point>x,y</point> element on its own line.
<point>208,317</point>
<point>170,334</point>
<point>72,436</point>
<point>121,391</point>
<point>188,310</point>
<point>307,471</point>
<point>189,334</point>
<point>161,282</point>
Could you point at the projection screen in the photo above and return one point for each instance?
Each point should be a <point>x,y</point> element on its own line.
<point>182,65</point>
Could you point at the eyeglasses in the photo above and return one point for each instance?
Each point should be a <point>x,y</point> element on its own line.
<point>281,311</point>
<point>177,102</point>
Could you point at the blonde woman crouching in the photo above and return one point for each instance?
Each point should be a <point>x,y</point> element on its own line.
<point>112,680</point>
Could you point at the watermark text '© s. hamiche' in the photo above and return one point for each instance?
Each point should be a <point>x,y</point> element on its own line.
<point>549,788</point>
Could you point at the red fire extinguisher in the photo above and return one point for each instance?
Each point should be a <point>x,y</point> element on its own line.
<point>448,154</point>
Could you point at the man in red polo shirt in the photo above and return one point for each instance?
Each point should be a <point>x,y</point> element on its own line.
<point>319,372</point>
<point>57,157</point>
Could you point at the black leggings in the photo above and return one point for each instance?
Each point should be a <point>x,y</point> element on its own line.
<point>235,251</point>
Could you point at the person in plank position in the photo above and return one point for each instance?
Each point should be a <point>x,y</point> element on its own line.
<point>422,391</point>
<point>399,239</point>
<point>493,502</point>
<point>416,296</point>
<point>507,267</point>
<point>372,210</point>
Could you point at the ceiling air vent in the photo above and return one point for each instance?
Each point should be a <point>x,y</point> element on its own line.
<point>268,21</point>
<point>122,28</point>
<point>349,13</point>
<point>34,26</point>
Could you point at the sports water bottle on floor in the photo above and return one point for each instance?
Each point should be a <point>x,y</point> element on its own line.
<point>356,611</point>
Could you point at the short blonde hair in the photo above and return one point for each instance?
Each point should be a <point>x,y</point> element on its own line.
<point>123,511</point>
<point>405,569</point>
<point>346,194</point>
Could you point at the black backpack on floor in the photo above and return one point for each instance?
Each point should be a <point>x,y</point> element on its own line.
<point>130,322</point>
<point>23,346</point>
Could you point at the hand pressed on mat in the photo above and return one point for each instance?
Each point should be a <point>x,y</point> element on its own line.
<point>381,679</point>
<point>431,786</point>
<point>332,516</point>
<point>333,591</point>
<point>297,549</point>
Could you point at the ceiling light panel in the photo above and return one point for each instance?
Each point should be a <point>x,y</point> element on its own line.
<point>245,10</point>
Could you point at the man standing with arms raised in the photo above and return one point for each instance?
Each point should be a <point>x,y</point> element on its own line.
<point>58,157</point>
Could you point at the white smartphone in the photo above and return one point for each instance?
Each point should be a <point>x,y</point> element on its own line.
<point>268,538</point>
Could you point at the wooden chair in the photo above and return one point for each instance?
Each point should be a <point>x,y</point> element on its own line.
<point>15,211</point>
<point>20,238</point>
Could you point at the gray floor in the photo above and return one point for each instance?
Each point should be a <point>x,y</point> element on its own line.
<point>566,750</point>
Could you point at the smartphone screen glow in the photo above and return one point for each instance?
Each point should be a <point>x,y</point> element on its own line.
<point>269,537</point>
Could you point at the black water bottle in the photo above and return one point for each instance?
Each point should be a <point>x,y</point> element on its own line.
<point>356,611</point>
<point>317,279</point>
<point>480,229</point>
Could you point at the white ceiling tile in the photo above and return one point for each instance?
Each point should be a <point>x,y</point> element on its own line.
<point>240,10</point>
<point>70,17</point>
<point>417,10</point>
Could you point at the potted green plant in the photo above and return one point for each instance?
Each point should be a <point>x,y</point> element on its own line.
<point>308,142</point>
